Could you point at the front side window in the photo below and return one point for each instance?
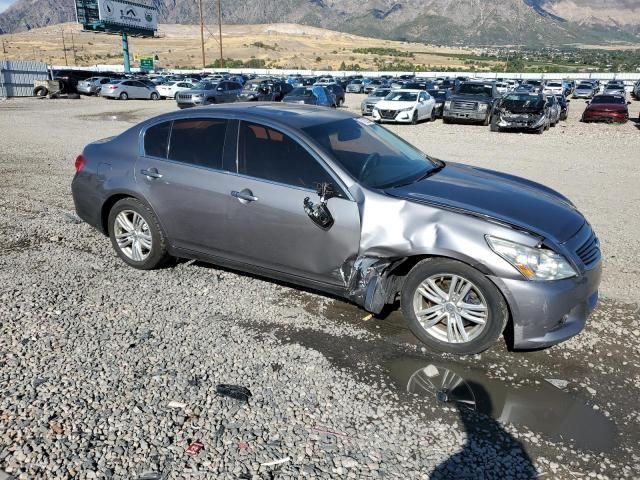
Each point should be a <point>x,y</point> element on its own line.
<point>198,141</point>
<point>268,154</point>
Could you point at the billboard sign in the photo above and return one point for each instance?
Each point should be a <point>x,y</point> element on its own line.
<point>128,14</point>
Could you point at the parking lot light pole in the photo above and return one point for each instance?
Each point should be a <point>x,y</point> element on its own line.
<point>125,52</point>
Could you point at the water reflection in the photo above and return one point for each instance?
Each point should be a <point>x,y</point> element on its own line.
<point>537,405</point>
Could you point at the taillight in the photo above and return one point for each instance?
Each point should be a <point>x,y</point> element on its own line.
<point>80,163</point>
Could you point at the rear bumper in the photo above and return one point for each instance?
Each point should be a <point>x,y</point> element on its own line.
<point>547,313</point>
<point>605,117</point>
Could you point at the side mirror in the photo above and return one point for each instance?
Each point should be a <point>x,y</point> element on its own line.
<point>219,89</point>
<point>319,213</point>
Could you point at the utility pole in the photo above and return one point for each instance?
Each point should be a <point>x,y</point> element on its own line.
<point>220,32</point>
<point>64,48</point>
<point>201,33</point>
<point>73,45</point>
<point>4,49</point>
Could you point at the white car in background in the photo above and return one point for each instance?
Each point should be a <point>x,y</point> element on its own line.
<point>502,87</point>
<point>405,106</point>
<point>169,90</point>
<point>553,88</point>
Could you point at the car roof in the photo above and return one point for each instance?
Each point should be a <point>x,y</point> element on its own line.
<point>291,115</point>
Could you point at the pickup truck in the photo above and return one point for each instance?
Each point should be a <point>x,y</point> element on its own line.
<point>473,101</point>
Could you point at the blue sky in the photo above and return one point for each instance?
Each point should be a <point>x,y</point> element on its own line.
<point>4,4</point>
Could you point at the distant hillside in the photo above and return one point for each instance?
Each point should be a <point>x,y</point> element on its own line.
<point>472,22</point>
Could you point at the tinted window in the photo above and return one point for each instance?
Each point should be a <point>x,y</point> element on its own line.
<point>271,155</point>
<point>608,99</point>
<point>156,140</point>
<point>198,141</point>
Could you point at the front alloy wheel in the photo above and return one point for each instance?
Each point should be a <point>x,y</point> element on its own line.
<point>452,307</point>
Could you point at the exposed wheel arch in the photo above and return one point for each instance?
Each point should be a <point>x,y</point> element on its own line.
<point>112,200</point>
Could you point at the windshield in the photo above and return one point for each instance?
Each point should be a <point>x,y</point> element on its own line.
<point>475,89</point>
<point>373,155</point>
<point>613,85</point>
<point>401,97</point>
<point>356,82</point>
<point>554,85</point>
<point>379,93</point>
<point>608,99</point>
<point>585,86</point>
<point>438,94</point>
<point>203,86</point>
<point>525,100</point>
<point>301,92</point>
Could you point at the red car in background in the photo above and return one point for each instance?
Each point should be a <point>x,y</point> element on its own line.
<point>607,108</point>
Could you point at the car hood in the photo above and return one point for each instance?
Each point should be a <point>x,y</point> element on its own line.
<point>387,105</point>
<point>500,196</point>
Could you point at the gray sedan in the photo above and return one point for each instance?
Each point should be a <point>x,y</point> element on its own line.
<point>366,106</point>
<point>329,200</point>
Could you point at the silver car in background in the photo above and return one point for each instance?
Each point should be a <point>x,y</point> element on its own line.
<point>208,93</point>
<point>92,85</point>
<point>366,106</point>
<point>329,200</point>
<point>129,89</point>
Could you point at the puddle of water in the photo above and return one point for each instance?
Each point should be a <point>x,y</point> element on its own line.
<point>113,116</point>
<point>538,405</point>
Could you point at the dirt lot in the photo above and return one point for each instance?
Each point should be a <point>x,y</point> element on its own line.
<point>107,372</point>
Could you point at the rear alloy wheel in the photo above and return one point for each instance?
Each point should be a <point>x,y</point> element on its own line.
<point>136,235</point>
<point>155,96</point>
<point>452,307</point>
<point>124,96</point>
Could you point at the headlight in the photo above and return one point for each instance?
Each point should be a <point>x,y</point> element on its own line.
<point>534,263</point>
<point>482,107</point>
<point>405,109</point>
<point>447,105</point>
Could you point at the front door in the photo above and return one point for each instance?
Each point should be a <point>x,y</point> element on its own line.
<point>267,224</point>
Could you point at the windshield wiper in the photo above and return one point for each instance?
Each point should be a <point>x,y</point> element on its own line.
<point>432,171</point>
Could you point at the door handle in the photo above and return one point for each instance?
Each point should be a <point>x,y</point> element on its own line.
<point>152,173</point>
<point>245,196</point>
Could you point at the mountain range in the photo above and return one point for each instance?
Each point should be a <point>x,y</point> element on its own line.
<point>468,22</point>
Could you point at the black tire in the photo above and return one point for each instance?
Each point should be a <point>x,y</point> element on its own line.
<point>124,96</point>
<point>158,255</point>
<point>414,119</point>
<point>155,96</point>
<point>433,116</point>
<point>494,124</point>
<point>446,120</point>
<point>498,312</point>
<point>340,102</point>
<point>40,91</point>
<point>540,130</point>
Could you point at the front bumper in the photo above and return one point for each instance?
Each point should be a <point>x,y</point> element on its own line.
<point>547,313</point>
<point>465,115</point>
<point>397,117</point>
<point>521,123</point>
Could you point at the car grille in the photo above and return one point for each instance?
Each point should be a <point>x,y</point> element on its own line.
<point>184,96</point>
<point>388,114</point>
<point>589,251</point>
<point>458,105</point>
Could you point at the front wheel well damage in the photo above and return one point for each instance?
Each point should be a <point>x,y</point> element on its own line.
<point>385,287</point>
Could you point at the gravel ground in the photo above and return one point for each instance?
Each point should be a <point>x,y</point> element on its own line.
<point>108,372</point>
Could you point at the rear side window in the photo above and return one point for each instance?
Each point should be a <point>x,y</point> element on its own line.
<point>268,154</point>
<point>198,141</point>
<point>156,140</point>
